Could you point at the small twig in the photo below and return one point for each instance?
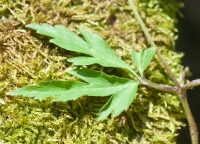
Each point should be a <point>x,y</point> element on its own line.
<point>191,121</point>
<point>191,84</point>
<point>189,116</point>
<point>159,86</point>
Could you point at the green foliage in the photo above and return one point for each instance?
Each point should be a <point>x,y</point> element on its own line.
<point>122,90</point>
<point>98,84</point>
<point>96,47</point>
<point>62,37</point>
<point>29,59</point>
<point>143,59</point>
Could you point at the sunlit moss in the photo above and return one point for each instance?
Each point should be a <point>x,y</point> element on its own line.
<point>28,58</point>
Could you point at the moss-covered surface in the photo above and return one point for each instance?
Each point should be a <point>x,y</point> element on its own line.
<point>28,58</point>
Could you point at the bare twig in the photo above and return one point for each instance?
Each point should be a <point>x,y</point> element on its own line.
<point>191,121</point>
<point>191,84</point>
<point>159,86</point>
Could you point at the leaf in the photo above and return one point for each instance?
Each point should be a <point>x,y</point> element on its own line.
<point>83,60</point>
<point>119,102</point>
<point>95,46</point>
<point>123,90</point>
<point>143,59</point>
<point>62,37</point>
<point>102,52</point>
<point>96,84</point>
<point>68,89</point>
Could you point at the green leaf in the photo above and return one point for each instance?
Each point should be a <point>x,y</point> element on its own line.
<point>83,60</point>
<point>119,102</point>
<point>102,52</point>
<point>62,37</point>
<point>52,88</point>
<point>98,78</point>
<point>121,90</point>
<point>96,84</point>
<point>125,90</point>
<point>143,59</point>
<point>95,46</point>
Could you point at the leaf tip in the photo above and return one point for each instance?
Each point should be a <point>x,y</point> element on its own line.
<point>101,118</point>
<point>31,25</point>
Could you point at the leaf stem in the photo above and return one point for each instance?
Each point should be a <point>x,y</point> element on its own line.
<point>191,121</point>
<point>159,86</point>
<point>191,84</point>
<point>144,29</point>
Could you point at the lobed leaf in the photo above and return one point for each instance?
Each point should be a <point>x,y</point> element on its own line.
<point>94,46</point>
<point>119,102</point>
<point>143,59</point>
<point>52,88</point>
<point>62,37</point>
<point>102,52</point>
<point>96,84</point>
<point>98,78</point>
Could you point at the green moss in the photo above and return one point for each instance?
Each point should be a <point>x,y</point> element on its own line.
<point>28,58</point>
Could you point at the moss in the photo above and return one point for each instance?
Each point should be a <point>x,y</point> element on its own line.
<point>28,58</point>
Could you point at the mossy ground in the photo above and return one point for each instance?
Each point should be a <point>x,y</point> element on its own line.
<point>28,58</point>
